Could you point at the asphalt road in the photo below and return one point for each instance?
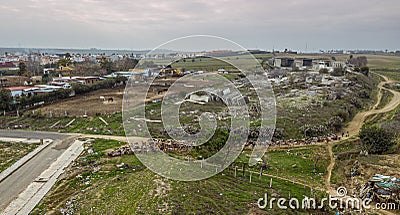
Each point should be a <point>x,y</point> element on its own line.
<point>33,134</point>
<point>26,174</point>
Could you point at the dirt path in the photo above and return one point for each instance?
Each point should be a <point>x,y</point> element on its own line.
<point>356,124</point>
<point>330,167</point>
<point>358,121</point>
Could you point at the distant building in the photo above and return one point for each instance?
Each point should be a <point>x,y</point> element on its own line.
<point>307,63</point>
<point>136,74</point>
<point>62,81</point>
<point>17,92</point>
<point>47,71</point>
<point>283,62</point>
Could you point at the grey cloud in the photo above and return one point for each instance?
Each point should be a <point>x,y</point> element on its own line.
<point>143,24</point>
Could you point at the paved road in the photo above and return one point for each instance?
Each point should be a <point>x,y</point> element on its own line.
<point>32,134</point>
<point>26,174</point>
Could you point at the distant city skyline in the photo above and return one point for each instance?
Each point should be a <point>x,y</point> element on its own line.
<point>301,25</point>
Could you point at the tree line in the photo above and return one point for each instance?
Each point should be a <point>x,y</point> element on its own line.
<point>8,103</point>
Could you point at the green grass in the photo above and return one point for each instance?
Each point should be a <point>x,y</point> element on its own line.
<point>386,98</point>
<point>137,190</point>
<point>96,126</point>
<point>346,154</point>
<point>213,64</point>
<point>383,62</point>
<point>385,117</point>
<point>281,162</point>
<point>12,152</point>
<point>91,125</point>
<point>393,74</point>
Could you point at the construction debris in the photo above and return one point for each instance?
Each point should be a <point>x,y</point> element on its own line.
<point>126,150</point>
<point>70,123</point>
<point>381,188</point>
<point>106,123</point>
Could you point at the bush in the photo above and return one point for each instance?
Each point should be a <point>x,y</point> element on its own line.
<point>376,140</point>
<point>364,94</point>
<point>356,102</point>
<point>215,144</point>
<point>5,99</point>
<point>324,71</point>
<point>47,98</point>
<point>365,70</point>
<point>335,123</point>
<point>343,115</point>
<point>338,72</point>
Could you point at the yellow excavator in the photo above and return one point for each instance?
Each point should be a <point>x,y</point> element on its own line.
<point>169,71</point>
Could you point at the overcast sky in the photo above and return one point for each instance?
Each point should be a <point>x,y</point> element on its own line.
<point>145,24</point>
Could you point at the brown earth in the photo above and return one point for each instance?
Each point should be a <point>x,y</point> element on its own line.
<point>89,103</point>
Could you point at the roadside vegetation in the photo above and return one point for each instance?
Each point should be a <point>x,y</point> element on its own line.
<point>12,152</point>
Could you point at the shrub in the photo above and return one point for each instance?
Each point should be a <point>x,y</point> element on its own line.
<point>337,72</point>
<point>343,115</point>
<point>376,140</point>
<point>365,70</point>
<point>323,71</point>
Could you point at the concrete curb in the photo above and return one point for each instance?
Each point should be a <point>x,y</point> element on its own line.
<point>24,160</point>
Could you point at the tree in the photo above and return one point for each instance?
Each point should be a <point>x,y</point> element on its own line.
<point>323,71</point>
<point>5,99</point>
<point>376,140</point>
<point>106,65</point>
<point>335,123</point>
<point>126,64</point>
<point>63,62</point>
<point>338,72</point>
<point>359,61</point>
<point>22,68</point>
<point>365,70</point>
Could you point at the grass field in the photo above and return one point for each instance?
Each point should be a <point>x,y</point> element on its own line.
<point>382,62</point>
<point>136,190</point>
<point>393,74</point>
<point>213,64</point>
<point>12,152</point>
<point>89,125</point>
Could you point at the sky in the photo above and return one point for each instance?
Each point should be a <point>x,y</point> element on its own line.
<point>303,25</point>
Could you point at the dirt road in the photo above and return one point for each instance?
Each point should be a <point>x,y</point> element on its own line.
<point>358,121</point>
<point>356,124</point>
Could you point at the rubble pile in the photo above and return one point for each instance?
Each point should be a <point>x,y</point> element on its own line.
<point>178,146</point>
<point>381,188</point>
<point>308,141</point>
<point>126,150</point>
